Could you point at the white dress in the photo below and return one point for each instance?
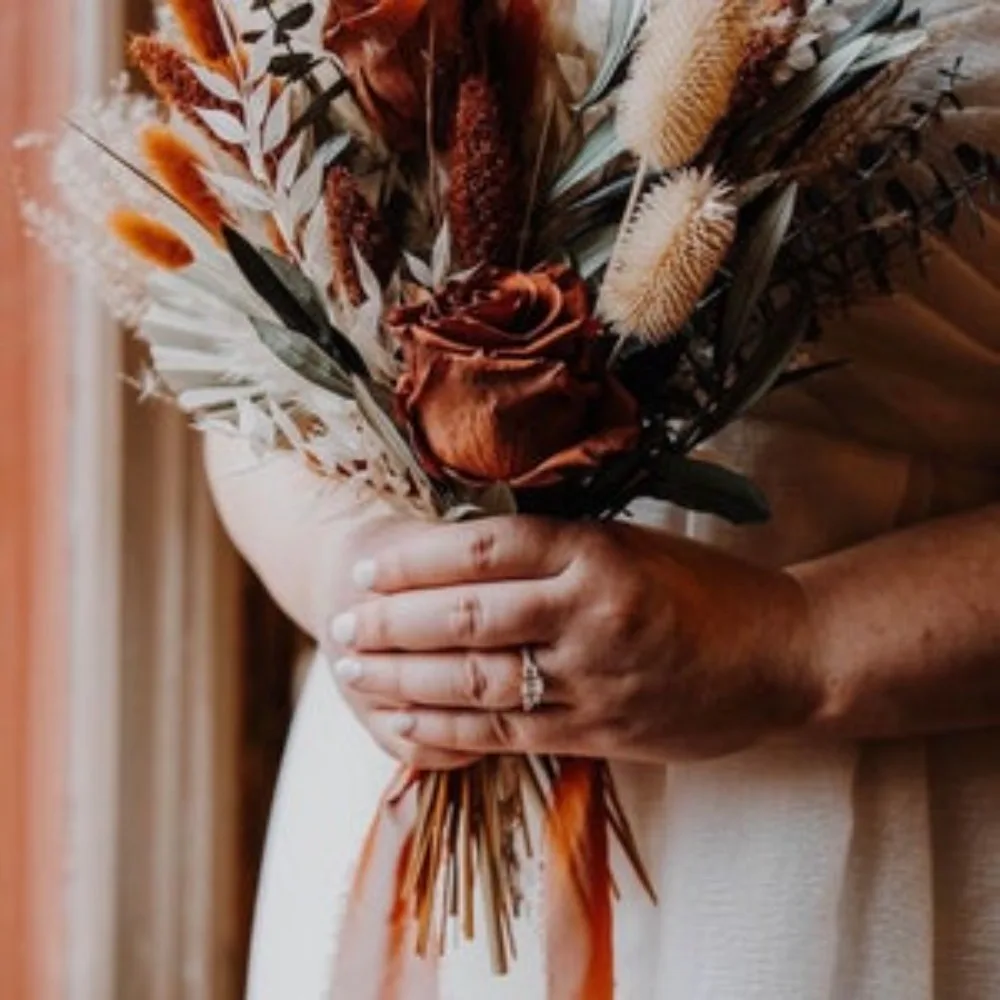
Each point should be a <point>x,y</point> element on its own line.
<point>796,870</point>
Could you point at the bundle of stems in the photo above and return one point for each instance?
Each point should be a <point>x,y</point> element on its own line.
<point>475,821</point>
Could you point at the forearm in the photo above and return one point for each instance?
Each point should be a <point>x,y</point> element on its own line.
<point>906,630</point>
<point>299,532</point>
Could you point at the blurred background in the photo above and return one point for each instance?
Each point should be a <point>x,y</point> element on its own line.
<point>146,681</point>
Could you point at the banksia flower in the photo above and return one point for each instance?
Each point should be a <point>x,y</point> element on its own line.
<point>152,240</point>
<point>199,23</point>
<point>483,204</point>
<point>178,167</point>
<point>167,71</point>
<point>683,78</point>
<point>352,224</point>
<point>667,258</point>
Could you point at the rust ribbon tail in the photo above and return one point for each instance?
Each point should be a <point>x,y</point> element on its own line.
<point>376,956</point>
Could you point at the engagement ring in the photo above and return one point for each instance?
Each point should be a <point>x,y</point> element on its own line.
<point>532,681</point>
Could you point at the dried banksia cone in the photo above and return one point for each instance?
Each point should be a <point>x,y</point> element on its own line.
<point>667,258</point>
<point>683,78</point>
<point>167,71</point>
<point>199,23</point>
<point>152,240</point>
<point>178,167</point>
<point>483,205</point>
<point>352,224</point>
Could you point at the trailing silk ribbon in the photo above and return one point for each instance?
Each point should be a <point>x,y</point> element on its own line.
<point>377,952</point>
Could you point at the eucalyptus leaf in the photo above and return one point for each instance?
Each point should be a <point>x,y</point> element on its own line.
<point>301,354</point>
<point>298,17</point>
<point>627,17</point>
<point>754,269</point>
<point>600,148</point>
<point>708,488</point>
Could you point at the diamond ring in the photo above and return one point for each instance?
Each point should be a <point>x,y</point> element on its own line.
<point>532,681</point>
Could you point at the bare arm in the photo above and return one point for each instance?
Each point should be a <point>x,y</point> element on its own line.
<point>906,630</point>
<point>299,533</point>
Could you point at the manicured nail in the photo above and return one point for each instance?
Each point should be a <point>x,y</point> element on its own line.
<point>403,725</point>
<point>348,671</point>
<point>344,629</point>
<point>363,574</point>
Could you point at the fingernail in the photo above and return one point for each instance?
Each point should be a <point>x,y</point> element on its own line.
<point>344,629</point>
<point>403,725</point>
<point>363,574</point>
<point>348,671</point>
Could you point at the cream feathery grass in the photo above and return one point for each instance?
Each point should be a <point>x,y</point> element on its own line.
<point>683,77</point>
<point>668,256</point>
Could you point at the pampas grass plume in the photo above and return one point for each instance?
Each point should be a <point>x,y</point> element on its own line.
<point>683,78</point>
<point>150,239</point>
<point>668,256</point>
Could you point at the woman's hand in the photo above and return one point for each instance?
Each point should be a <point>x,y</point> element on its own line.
<point>651,647</point>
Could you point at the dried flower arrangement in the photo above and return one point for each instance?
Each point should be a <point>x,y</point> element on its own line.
<point>338,227</point>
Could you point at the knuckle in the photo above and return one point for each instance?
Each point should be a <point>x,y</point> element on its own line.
<point>475,683</point>
<point>483,549</point>
<point>503,731</point>
<point>467,619</point>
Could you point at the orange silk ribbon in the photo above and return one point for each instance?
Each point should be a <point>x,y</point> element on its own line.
<point>377,950</point>
<point>377,958</point>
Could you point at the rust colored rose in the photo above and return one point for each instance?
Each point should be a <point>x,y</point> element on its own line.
<point>506,380</point>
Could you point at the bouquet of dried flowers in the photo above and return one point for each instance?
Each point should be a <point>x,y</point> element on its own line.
<point>458,263</point>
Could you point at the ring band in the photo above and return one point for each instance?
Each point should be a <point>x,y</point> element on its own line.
<point>532,681</point>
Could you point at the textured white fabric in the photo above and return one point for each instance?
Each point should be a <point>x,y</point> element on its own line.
<point>793,871</point>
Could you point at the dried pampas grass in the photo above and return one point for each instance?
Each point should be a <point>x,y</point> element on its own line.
<point>150,239</point>
<point>683,78</point>
<point>668,256</point>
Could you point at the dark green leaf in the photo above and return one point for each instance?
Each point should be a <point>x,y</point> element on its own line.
<point>711,489</point>
<point>319,106</point>
<point>303,356</point>
<point>293,298</point>
<point>754,269</point>
<point>293,65</point>
<point>298,17</point>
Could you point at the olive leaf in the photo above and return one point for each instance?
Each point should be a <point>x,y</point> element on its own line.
<point>627,17</point>
<point>708,488</point>
<point>754,269</point>
<point>303,356</point>
<point>293,297</point>
<point>600,148</point>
